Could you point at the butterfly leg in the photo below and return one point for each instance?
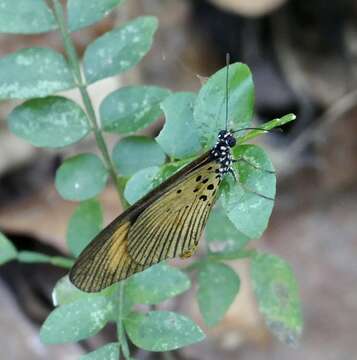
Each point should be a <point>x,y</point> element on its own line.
<point>231,171</point>
<point>243,159</point>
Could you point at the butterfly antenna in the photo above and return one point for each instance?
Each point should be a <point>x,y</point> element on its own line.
<point>227,75</point>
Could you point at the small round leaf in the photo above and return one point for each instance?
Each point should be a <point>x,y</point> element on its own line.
<point>162,330</point>
<point>106,352</point>
<point>210,113</point>
<point>84,225</point>
<point>131,108</point>
<point>218,286</point>
<point>33,72</point>
<point>76,321</point>
<point>81,177</point>
<point>249,200</point>
<point>80,15</point>
<point>134,153</point>
<point>179,137</point>
<point>276,290</point>
<point>25,17</point>
<point>156,284</point>
<point>119,49</point>
<point>50,122</point>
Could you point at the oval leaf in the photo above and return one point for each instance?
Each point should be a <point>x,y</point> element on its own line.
<point>81,15</point>
<point>34,72</point>
<point>25,17</point>
<point>162,330</point>
<point>244,200</point>
<point>51,122</point>
<point>276,290</point>
<point>222,236</point>
<point>134,153</point>
<point>106,352</point>
<point>218,286</point>
<point>156,284</point>
<point>81,177</point>
<point>76,321</point>
<point>179,137</point>
<point>84,225</point>
<point>131,108</point>
<point>8,251</point>
<point>119,49</point>
<point>209,112</point>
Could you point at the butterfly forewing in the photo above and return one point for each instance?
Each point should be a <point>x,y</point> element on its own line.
<point>173,224</point>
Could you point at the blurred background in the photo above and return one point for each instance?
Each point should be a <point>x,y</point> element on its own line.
<point>303,55</point>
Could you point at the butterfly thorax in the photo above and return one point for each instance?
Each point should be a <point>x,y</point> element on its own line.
<point>221,152</point>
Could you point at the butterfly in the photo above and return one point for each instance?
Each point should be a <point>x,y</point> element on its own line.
<point>166,223</point>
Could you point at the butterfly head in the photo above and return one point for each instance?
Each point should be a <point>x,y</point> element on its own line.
<point>221,152</point>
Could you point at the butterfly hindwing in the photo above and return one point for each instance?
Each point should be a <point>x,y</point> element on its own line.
<point>173,224</point>
<point>105,261</point>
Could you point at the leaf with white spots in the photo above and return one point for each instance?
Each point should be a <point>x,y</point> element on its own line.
<point>8,251</point>
<point>50,122</point>
<point>210,113</point>
<point>83,13</point>
<point>222,236</point>
<point>26,17</point>
<point>277,293</point>
<point>132,108</point>
<point>76,321</point>
<point>119,49</point>
<point>179,125</point>
<point>81,177</point>
<point>162,330</point>
<point>156,284</point>
<point>249,201</point>
<point>134,153</point>
<point>106,352</point>
<point>84,224</point>
<point>218,286</point>
<point>33,72</point>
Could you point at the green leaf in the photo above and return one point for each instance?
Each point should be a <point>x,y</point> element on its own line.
<point>76,321</point>
<point>276,290</point>
<point>266,126</point>
<point>81,14</point>
<point>221,235</point>
<point>248,210</point>
<point>51,122</point>
<point>25,17</point>
<point>134,153</point>
<point>119,49</point>
<point>8,251</point>
<point>218,286</point>
<point>179,137</point>
<point>132,108</point>
<point>106,352</point>
<point>162,330</point>
<point>33,72</point>
<point>81,177</point>
<point>209,112</point>
<point>156,284</point>
<point>33,257</point>
<point>84,225</point>
<point>65,292</point>
<point>140,184</point>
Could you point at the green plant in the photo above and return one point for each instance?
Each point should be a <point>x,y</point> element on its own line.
<point>192,123</point>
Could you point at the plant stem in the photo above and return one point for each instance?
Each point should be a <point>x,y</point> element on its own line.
<point>120,327</point>
<point>119,182</point>
<point>82,86</point>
